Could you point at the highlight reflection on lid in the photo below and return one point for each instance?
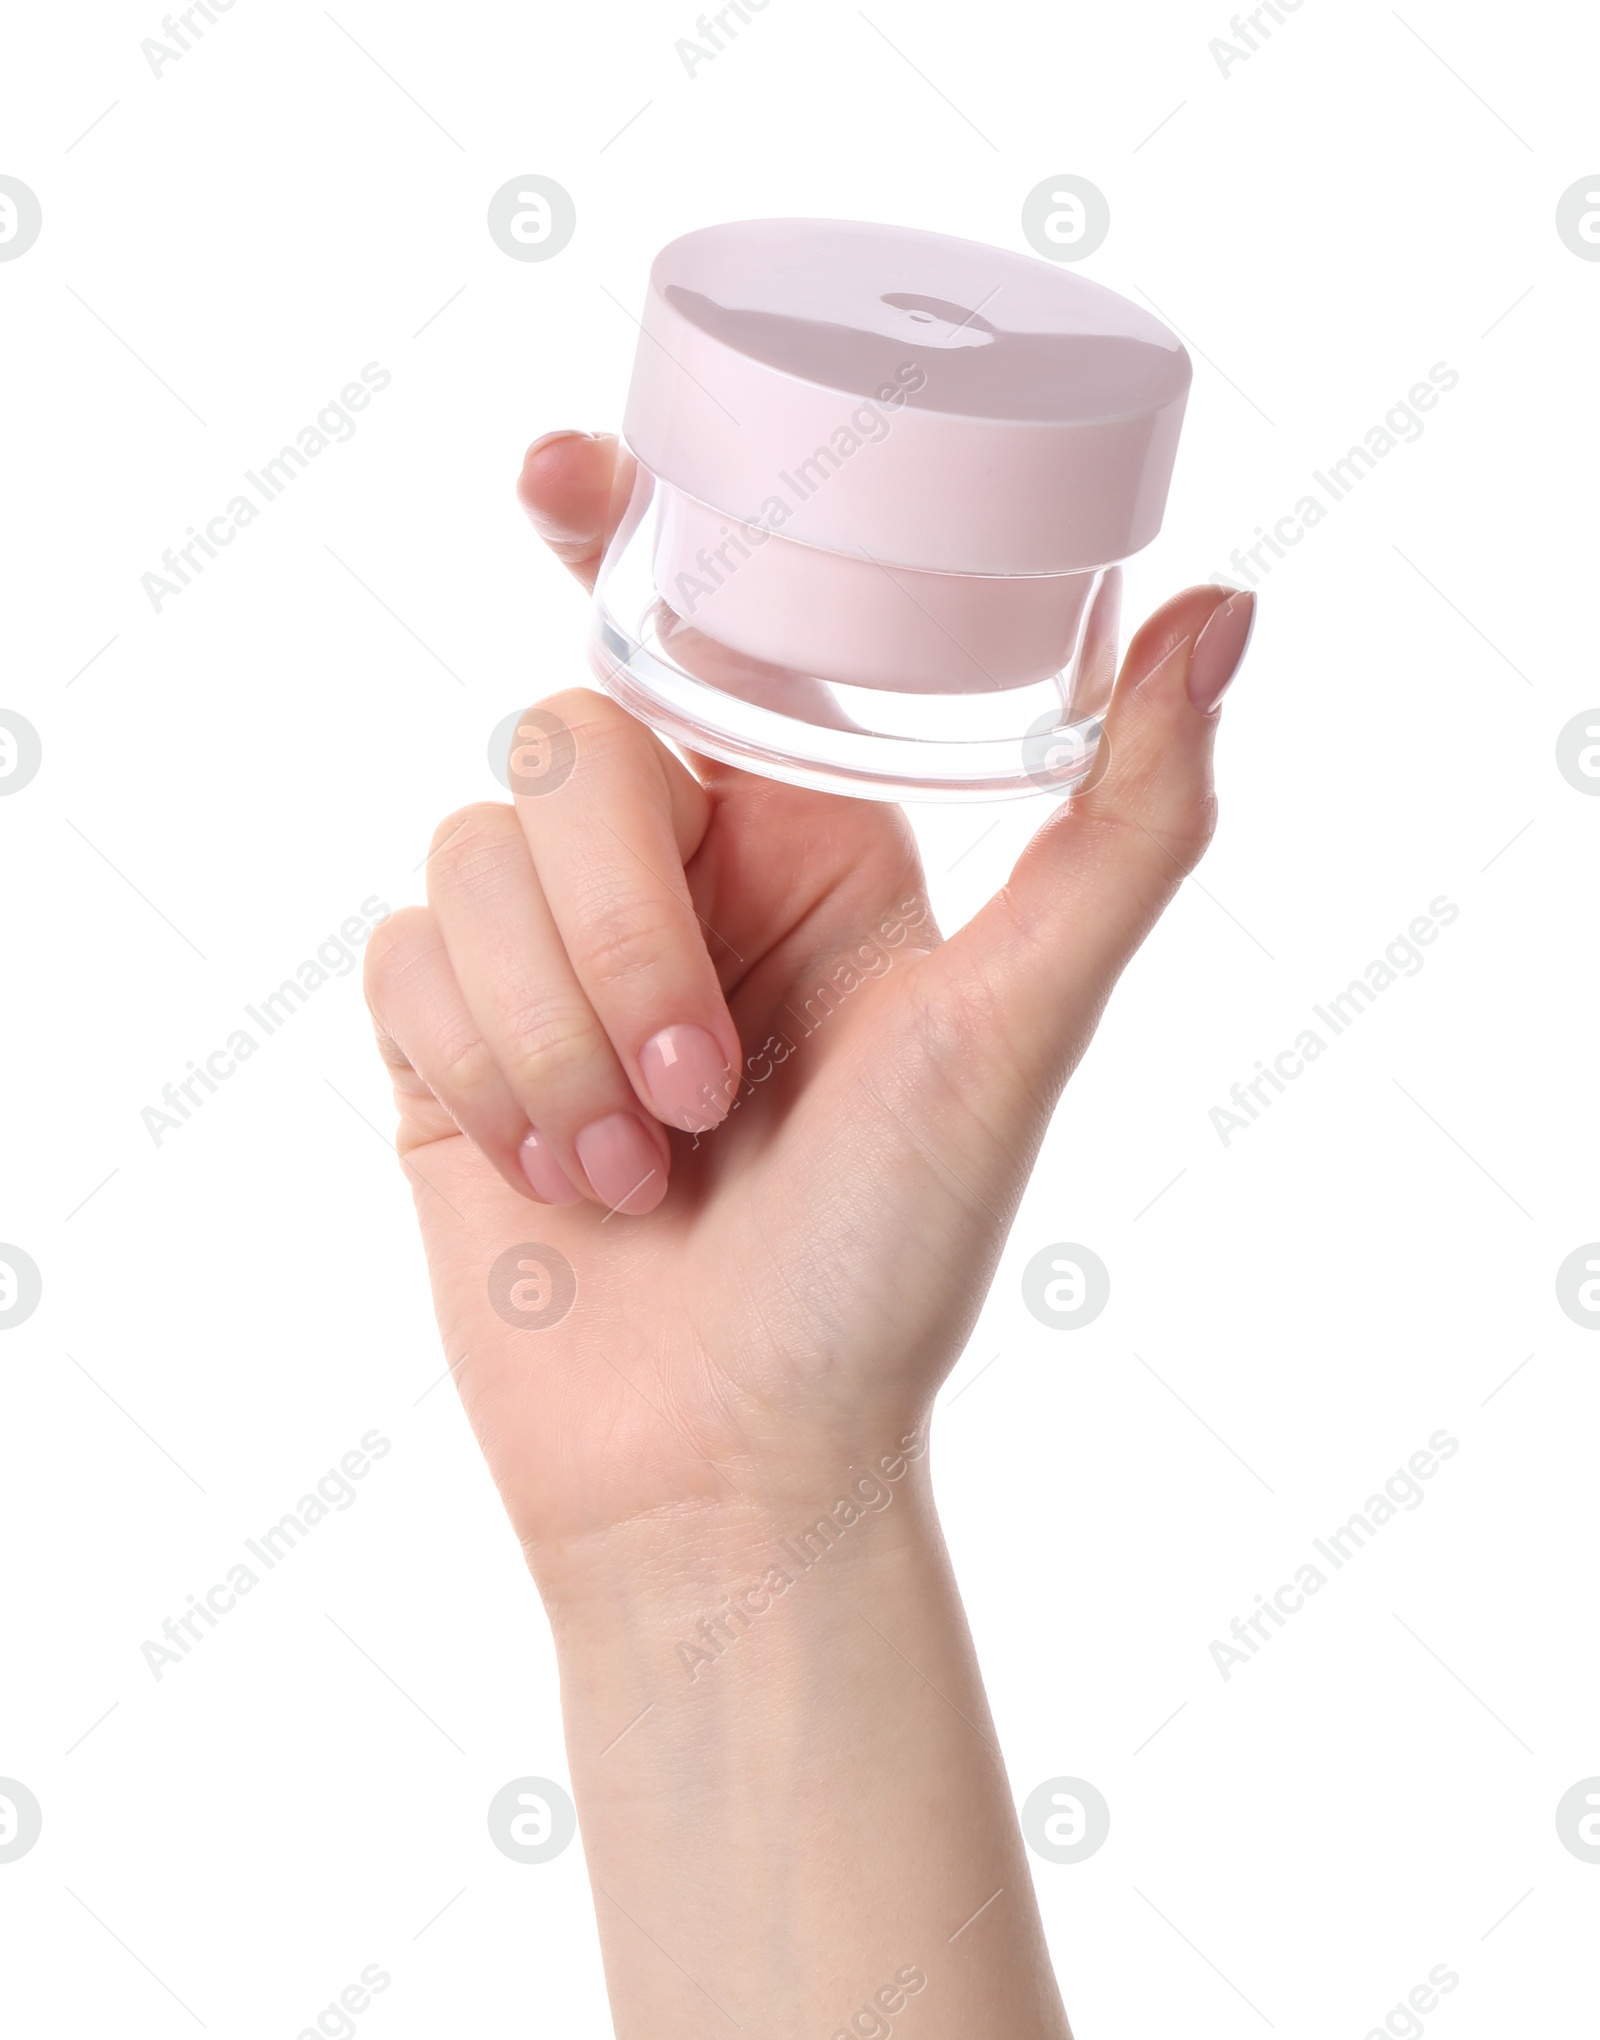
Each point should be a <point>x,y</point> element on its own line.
<point>1037,412</point>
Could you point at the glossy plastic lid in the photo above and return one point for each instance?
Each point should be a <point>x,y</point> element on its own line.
<point>917,399</point>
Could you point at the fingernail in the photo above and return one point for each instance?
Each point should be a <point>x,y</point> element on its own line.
<point>687,1077</point>
<point>546,1177</point>
<point>549,439</point>
<point>1220,648</point>
<point>623,1163</point>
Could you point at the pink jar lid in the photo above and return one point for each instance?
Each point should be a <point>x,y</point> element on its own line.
<point>921,400</point>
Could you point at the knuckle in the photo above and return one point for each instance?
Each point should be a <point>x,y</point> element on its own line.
<point>624,939</point>
<point>585,711</point>
<point>1140,820</point>
<point>1194,839</point>
<point>467,1068</point>
<point>474,840</point>
<point>601,731</point>
<point>546,1041</point>
<point>396,947</point>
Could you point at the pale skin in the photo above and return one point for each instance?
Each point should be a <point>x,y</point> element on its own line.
<point>790,1794</point>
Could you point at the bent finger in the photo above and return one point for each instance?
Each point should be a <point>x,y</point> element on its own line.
<point>424,1026</point>
<point>609,845</point>
<point>525,999</point>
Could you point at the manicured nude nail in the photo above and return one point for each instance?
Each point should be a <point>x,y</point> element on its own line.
<point>1220,648</point>
<point>549,439</point>
<point>688,1078</point>
<point>623,1163</point>
<point>546,1177</point>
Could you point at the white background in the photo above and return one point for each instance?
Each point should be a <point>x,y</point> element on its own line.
<point>229,779</point>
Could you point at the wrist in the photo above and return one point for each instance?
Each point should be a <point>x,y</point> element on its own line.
<point>790,1785</point>
<point>738,1557</point>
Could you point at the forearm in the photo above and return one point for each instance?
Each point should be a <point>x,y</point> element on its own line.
<point>796,1818</point>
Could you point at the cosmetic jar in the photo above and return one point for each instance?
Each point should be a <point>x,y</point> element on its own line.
<point>884,481</point>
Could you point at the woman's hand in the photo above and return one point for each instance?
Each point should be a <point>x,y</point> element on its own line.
<point>683,1055</point>
<point>644,949</point>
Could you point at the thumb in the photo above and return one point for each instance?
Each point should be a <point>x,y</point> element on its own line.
<point>1029,976</point>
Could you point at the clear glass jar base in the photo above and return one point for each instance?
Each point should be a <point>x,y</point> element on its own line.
<point>869,742</point>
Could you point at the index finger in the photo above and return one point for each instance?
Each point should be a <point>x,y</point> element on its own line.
<point>610,844</point>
